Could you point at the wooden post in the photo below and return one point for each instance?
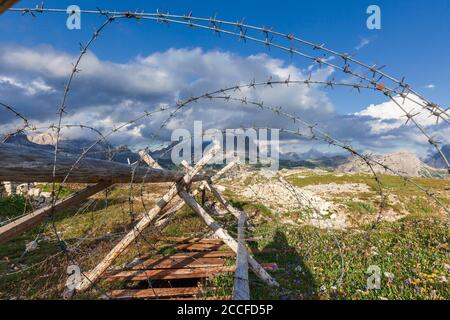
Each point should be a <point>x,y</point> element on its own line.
<point>241,289</point>
<point>25,164</point>
<point>149,160</point>
<point>235,212</point>
<point>28,222</point>
<point>229,241</point>
<point>149,218</point>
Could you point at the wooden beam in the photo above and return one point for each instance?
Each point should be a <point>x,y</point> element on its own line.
<point>25,164</point>
<point>190,240</point>
<point>149,160</point>
<point>154,293</point>
<point>178,263</point>
<point>220,232</point>
<point>148,219</point>
<point>201,298</point>
<point>195,246</point>
<point>241,289</point>
<point>167,274</point>
<point>28,222</point>
<point>203,254</point>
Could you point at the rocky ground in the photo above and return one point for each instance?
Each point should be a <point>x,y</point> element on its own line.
<point>295,198</point>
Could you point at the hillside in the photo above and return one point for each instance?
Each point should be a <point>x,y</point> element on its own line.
<point>404,163</point>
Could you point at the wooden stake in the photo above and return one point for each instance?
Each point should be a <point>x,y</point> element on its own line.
<point>149,160</point>
<point>241,289</point>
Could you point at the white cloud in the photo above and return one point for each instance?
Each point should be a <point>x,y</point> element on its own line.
<point>430,86</point>
<point>106,95</point>
<point>388,115</point>
<point>29,88</point>
<point>387,122</point>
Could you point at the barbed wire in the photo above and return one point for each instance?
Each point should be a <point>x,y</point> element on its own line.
<point>402,90</point>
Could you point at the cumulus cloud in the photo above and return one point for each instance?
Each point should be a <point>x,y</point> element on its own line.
<point>106,95</point>
<point>388,122</point>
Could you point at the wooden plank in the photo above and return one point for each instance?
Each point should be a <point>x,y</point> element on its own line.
<point>178,263</point>
<point>168,274</point>
<point>201,298</point>
<point>196,246</point>
<point>154,293</point>
<point>223,201</point>
<point>241,288</point>
<point>25,164</point>
<point>204,254</point>
<point>148,219</point>
<point>190,240</point>
<point>28,222</point>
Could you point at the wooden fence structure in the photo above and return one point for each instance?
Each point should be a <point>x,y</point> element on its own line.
<point>19,163</point>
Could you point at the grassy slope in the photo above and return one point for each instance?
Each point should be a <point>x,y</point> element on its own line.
<point>312,263</point>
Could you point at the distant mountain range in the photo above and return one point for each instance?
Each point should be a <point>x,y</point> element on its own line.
<point>435,159</point>
<point>402,162</point>
<point>101,150</point>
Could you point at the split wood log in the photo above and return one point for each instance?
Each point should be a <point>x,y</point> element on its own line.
<point>241,289</point>
<point>25,164</point>
<point>149,160</point>
<point>28,222</point>
<point>148,219</point>
<point>220,232</point>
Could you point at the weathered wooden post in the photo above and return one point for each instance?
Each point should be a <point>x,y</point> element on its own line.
<point>241,289</point>
<point>31,220</point>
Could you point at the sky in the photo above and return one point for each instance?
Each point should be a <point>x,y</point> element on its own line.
<point>137,66</point>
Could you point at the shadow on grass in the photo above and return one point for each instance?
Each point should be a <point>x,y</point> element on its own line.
<point>295,278</point>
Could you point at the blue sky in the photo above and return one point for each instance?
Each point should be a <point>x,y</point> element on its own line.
<point>414,40</point>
